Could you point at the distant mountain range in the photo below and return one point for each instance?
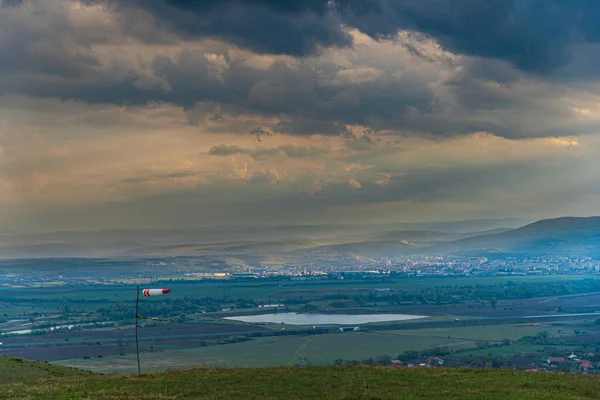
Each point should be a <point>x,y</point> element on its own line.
<point>560,236</point>
<point>501,237</point>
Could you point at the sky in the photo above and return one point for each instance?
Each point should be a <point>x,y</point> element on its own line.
<point>166,113</point>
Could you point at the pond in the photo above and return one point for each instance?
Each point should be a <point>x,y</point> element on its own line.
<point>323,319</point>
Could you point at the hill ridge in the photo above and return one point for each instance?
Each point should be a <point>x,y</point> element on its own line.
<point>563,235</point>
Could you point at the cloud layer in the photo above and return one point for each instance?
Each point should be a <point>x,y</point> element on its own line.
<point>167,112</point>
<point>533,35</point>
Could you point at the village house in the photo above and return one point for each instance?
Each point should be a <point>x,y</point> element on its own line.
<point>435,360</point>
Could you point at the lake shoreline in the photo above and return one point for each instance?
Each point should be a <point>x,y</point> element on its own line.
<point>304,319</point>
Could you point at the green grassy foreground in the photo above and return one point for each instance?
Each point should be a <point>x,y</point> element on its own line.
<point>43,381</point>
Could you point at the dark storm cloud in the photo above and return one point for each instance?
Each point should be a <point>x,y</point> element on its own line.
<point>301,92</point>
<point>533,35</point>
<point>294,27</point>
<point>311,95</point>
<point>306,94</point>
<point>314,105</point>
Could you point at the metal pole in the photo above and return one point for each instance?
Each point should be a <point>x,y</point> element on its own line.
<point>137,348</point>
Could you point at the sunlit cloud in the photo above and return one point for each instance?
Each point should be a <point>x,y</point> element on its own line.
<point>565,142</point>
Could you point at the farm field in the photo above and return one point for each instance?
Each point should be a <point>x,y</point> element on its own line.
<point>67,344</point>
<point>262,352</point>
<point>496,333</point>
<point>325,349</point>
<point>516,349</point>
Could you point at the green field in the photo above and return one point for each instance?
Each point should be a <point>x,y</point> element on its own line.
<point>515,349</point>
<point>325,349</point>
<point>486,332</point>
<point>266,289</point>
<point>273,351</point>
<point>303,383</point>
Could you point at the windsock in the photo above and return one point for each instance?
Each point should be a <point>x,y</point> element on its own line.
<point>155,292</point>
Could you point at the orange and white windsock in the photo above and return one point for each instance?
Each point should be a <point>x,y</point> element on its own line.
<point>155,292</point>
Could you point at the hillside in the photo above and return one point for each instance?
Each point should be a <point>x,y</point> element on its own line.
<point>560,236</point>
<point>13,370</point>
<point>41,381</point>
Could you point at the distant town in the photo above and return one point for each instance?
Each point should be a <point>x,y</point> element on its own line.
<point>424,266</point>
<point>194,268</point>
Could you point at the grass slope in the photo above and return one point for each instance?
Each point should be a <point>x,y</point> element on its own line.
<point>297,383</point>
<point>14,370</point>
